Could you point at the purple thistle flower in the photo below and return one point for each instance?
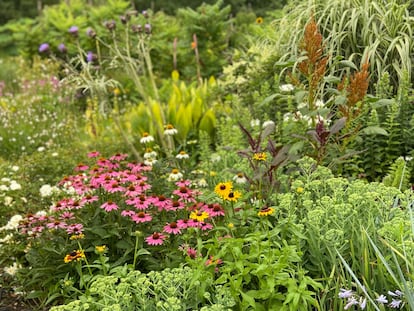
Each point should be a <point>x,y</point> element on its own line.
<point>44,48</point>
<point>74,30</point>
<point>90,57</point>
<point>110,25</point>
<point>90,33</point>
<point>148,28</point>
<point>145,13</point>
<point>62,48</point>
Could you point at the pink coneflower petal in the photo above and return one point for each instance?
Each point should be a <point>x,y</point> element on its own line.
<point>128,213</point>
<point>141,217</point>
<point>109,206</point>
<point>74,229</point>
<point>182,223</point>
<point>172,228</point>
<point>155,239</point>
<point>93,154</point>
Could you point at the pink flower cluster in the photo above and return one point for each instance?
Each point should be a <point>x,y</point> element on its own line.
<point>117,186</point>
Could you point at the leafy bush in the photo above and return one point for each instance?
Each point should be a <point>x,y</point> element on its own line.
<point>169,289</point>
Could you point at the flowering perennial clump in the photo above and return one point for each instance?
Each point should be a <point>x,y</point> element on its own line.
<point>123,189</point>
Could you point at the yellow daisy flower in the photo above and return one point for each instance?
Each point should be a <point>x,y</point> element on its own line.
<point>199,215</point>
<point>260,156</point>
<point>266,211</point>
<point>100,249</point>
<point>75,255</point>
<point>233,196</point>
<point>259,20</point>
<point>223,188</point>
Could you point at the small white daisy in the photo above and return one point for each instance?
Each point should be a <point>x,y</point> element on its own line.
<point>182,155</point>
<point>146,138</point>
<point>170,130</point>
<point>175,175</point>
<point>240,178</point>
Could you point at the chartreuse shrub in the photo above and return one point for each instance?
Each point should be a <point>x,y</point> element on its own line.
<point>170,289</point>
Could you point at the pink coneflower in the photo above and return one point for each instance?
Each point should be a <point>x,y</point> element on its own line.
<point>81,167</point>
<point>174,205</point>
<point>67,216</point>
<point>127,213</point>
<point>142,202</point>
<point>185,193</point>
<point>113,186</point>
<point>194,223</point>
<point>172,228</point>
<point>182,223</point>
<point>192,253</point>
<point>215,210</point>
<point>89,199</point>
<point>103,162</point>
<point>205,226</point>
<point>38,229</point>
<point>94,154</point>
<point>109,206</point>
<point>155,239</point>
<point>143,186</point>
<point>132,191</point>
<point>183,183</point>
<point>74,229</point>
<point>118,157</point>
<point>161,202</point>
<point>74,204</point>
<point>56,225</point>
<point>141,217</point>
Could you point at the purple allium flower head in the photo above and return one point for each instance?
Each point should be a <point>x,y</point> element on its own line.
<point>148,28</point>
<point>62,48</point>
<point>44,48</point>
<point>74,30</point>
<point>90,33</point>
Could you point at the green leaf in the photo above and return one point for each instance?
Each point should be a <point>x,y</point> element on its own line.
<point>374,130</point>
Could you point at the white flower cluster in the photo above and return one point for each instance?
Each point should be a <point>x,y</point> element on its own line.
<point>47,190</point>
<point>13,223</point>
<point>9,184</point>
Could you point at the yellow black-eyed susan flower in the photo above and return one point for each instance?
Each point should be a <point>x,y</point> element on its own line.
<point>266,211</point>
<point>233,196</point>
<point>259,20</point>
<point>77,255</point>
<point>260,156</point>
<point>223,188</point>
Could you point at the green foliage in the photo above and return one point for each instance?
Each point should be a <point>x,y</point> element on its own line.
<point>33,111</point>
<point>335,213</point>
<point>169,289</point>
<point>210,25</point>
<point>375,31</point>
<point>398,175</point>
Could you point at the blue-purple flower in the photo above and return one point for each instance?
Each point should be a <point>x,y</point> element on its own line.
<point>44,48</point>
<point>90,57</point>
<point>74,30</point>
